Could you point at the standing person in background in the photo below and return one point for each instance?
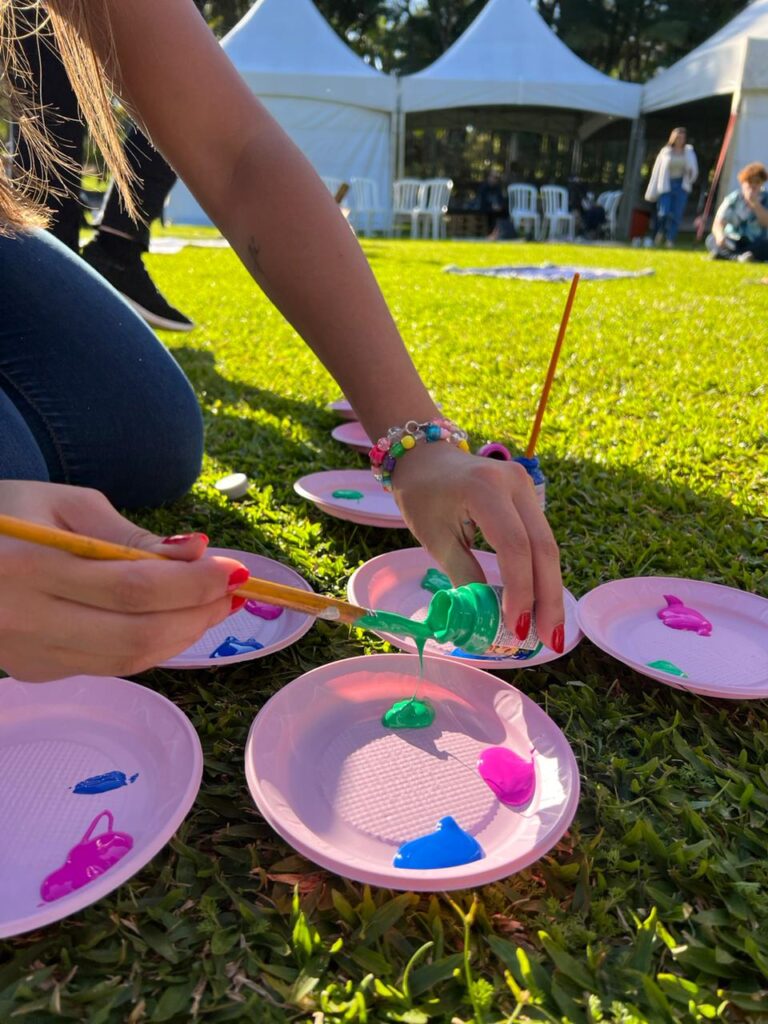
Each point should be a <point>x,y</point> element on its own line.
<point>117,249</point>
<point>674,172</point>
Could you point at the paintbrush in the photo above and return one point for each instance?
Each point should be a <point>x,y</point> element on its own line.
<point>279,594</point>
<point>530,451</point>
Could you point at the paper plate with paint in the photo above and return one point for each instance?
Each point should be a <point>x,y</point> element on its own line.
<point>405,581</point>
<point>409,808</point>
<point>692,635</point>
<point>96,775</point>
<point>256,629</point>
<point>353,434</point>
<point>351,494</point>
<point>342,408</point>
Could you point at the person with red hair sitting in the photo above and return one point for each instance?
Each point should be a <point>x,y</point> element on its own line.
<point>740,230</point>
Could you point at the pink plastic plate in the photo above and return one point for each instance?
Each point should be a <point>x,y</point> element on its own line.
<point>621,618</point>
<point>392,583</point>
<point>241,632</point>
<point>54,736</point>
<point>377,507</point>
<point>354,435</point>
<point>342,408</point>
<point>346,792</point>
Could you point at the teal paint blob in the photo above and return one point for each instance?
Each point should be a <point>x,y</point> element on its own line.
<point>447,847</point>
<point>667,666</point>
<point>434,580</point>
<point>347,495</point>
<point>408,714</point>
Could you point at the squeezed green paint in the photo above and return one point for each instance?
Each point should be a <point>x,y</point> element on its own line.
<point>409,714</point>
<point>668,666</point>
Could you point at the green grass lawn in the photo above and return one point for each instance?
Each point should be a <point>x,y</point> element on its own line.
<point>655,905</point>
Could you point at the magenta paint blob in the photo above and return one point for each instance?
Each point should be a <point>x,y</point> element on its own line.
<point>679,616</point>
<point>511,777</point>
<point>263,611</point>
<point>88,860</point>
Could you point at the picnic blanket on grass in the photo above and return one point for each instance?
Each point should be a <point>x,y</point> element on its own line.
<point>548,272</point>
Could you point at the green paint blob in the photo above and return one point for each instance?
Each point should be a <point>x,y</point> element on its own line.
<point>668,666</point>
<point>435,580</point>
<point>409,714</point>
<point>348,495</point>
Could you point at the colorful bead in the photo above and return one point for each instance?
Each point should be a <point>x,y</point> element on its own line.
<point>399,440</point>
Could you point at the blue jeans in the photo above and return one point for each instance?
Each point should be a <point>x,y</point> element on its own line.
<point>88,395</point>
<point>670,207</point>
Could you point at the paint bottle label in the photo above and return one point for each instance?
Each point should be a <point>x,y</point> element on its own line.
<point>507,642</point>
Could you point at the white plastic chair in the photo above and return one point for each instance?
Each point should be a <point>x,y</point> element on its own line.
<point>405,202</point>
<point>610,201</point>
<point>522,207</point>
<point>554,203</point>
<point>367,211</point>
<point>432,208</point>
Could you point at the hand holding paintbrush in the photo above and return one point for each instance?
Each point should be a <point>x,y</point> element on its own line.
<point>63,615</point>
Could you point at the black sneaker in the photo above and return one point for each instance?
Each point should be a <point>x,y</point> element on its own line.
<point>133,282</point>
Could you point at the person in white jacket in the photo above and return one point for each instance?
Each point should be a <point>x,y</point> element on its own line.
<point>674,172</point>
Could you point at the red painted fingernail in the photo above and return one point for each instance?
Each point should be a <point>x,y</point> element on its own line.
<point>238,602</point>
<point>184,538</point>
<point>238,578</point>
<point>523,626</point>
<point>558,639</point>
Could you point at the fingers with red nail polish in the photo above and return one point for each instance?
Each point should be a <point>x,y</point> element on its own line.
<point>523,626</point>
<point>558,639</point>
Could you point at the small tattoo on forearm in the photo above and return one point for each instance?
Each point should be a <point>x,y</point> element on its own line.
<point>254,251</point>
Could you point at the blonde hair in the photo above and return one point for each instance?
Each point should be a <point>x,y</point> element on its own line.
<point>82,31</point>
<point>674,133</point>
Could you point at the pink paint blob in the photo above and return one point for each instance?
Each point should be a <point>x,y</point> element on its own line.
<point>87,861</point>
<point>264,611</point>
<point>678,616</point>
<point>511,777</point>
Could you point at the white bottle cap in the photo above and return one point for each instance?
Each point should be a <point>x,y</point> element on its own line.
<point>233,486</point>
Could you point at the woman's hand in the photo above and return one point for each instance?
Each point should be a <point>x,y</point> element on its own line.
<point>62,615</point>
<point>445,493</point>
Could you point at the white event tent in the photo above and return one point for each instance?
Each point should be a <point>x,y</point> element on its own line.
<point>734,61</point>
<point>335,107</point>
<point>510,57</point>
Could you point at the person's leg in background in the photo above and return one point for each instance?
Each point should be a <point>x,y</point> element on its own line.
<point>678,199</point>
<point>663,207</point>
<point>98,401</point>
<point>119,259</point>
<point>51,88</point>
<point>117,249</point>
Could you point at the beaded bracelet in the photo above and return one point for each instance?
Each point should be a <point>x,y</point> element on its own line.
<point>399,440</point>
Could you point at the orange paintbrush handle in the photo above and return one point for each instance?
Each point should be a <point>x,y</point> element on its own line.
<point>534,438</point>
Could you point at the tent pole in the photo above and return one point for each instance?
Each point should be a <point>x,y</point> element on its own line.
<point>399,129</point>
<point>630,185</point>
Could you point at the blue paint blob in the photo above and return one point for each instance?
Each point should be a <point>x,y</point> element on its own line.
<point>447,847</point>
<point>103,783</point>
<point>231,645</point>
